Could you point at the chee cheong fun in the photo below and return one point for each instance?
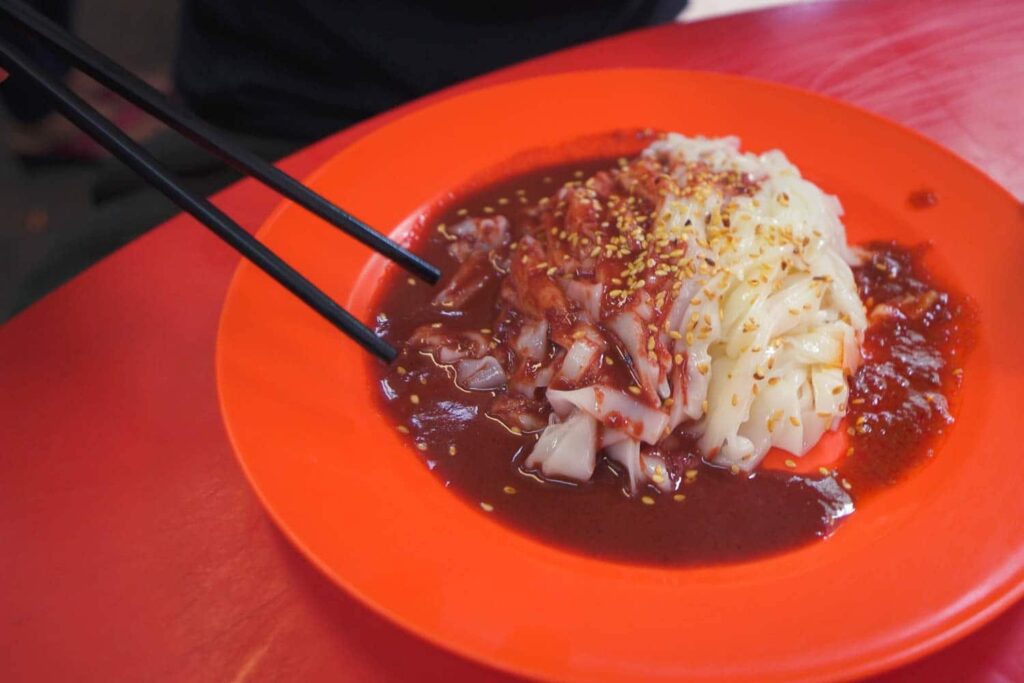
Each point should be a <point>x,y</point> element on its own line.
<point>693,287</point>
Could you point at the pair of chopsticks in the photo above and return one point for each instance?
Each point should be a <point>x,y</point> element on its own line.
<point>117,78</point>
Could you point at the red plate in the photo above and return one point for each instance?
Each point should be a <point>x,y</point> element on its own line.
<point>917,566</point>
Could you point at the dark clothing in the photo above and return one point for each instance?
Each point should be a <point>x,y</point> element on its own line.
<point>302,69</point>
<point>25,101</point>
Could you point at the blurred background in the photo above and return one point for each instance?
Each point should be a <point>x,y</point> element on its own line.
<point>58,215</point>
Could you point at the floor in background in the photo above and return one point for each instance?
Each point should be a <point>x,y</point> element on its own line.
<point>57,199</point>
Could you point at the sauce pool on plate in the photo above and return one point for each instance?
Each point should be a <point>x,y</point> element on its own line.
<point>899,407</point>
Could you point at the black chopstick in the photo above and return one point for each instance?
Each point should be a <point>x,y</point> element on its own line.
<point>144,96</point>
<point>139,160</point>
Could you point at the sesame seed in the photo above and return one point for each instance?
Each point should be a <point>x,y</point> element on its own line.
<point>735,469</point>
<point>422,446</point>
<point>487,507</point>
<point>823,471</point>
<point>958,372</point>
<point>516,430</point>
<point>735,400</point>
<point>794,420</point>
<point>414,399</point>
<point>451,450</point>
<point>658,479</point>
<point>690,474</point>
<point>402,429</point>
<point>400,370</point>
<point>647,500</point>
<point>510,490</point>
<point>411,281</point>
<point>846,485</point>
<point>634,389</point>
<point>790,463</point>
<point>679,497</point>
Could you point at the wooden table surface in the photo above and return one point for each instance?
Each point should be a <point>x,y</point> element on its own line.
<point>132,547</point>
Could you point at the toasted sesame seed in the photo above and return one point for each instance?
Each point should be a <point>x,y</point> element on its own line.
<point>735,469</point>
<point>679,497</point>
<point>647,500</point>
<point>422,446</point>
<point>657,479</point>
<point>823,471</point>
<point>487,507</point>
<point>634,389</point>
<point>400,370</point>
<point>510,490</point>
<point>402,429</point>
<point>451,450</point>
<point>516,430</point>
<point>415,399</point>
<point>846,485</point>
<point>411,281</point>
<point>794,420</point>
<point>958,372</point>
<point>735,400</point>
<point>704,406</point>
<point>790,463</point>
<point>691,474</point>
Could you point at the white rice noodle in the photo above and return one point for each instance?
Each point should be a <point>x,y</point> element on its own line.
<point>587,296</point>
<point>618,408</point>
<point>629,327</point>
<point>532,341</point>
<point>567,449</point>
<point>480,374</point>
<point>639,468</point>
<point>582,355</point>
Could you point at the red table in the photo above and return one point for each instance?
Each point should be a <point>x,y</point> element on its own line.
<point>132,547</point>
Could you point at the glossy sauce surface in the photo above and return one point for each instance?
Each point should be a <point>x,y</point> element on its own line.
<point>898,408</point>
